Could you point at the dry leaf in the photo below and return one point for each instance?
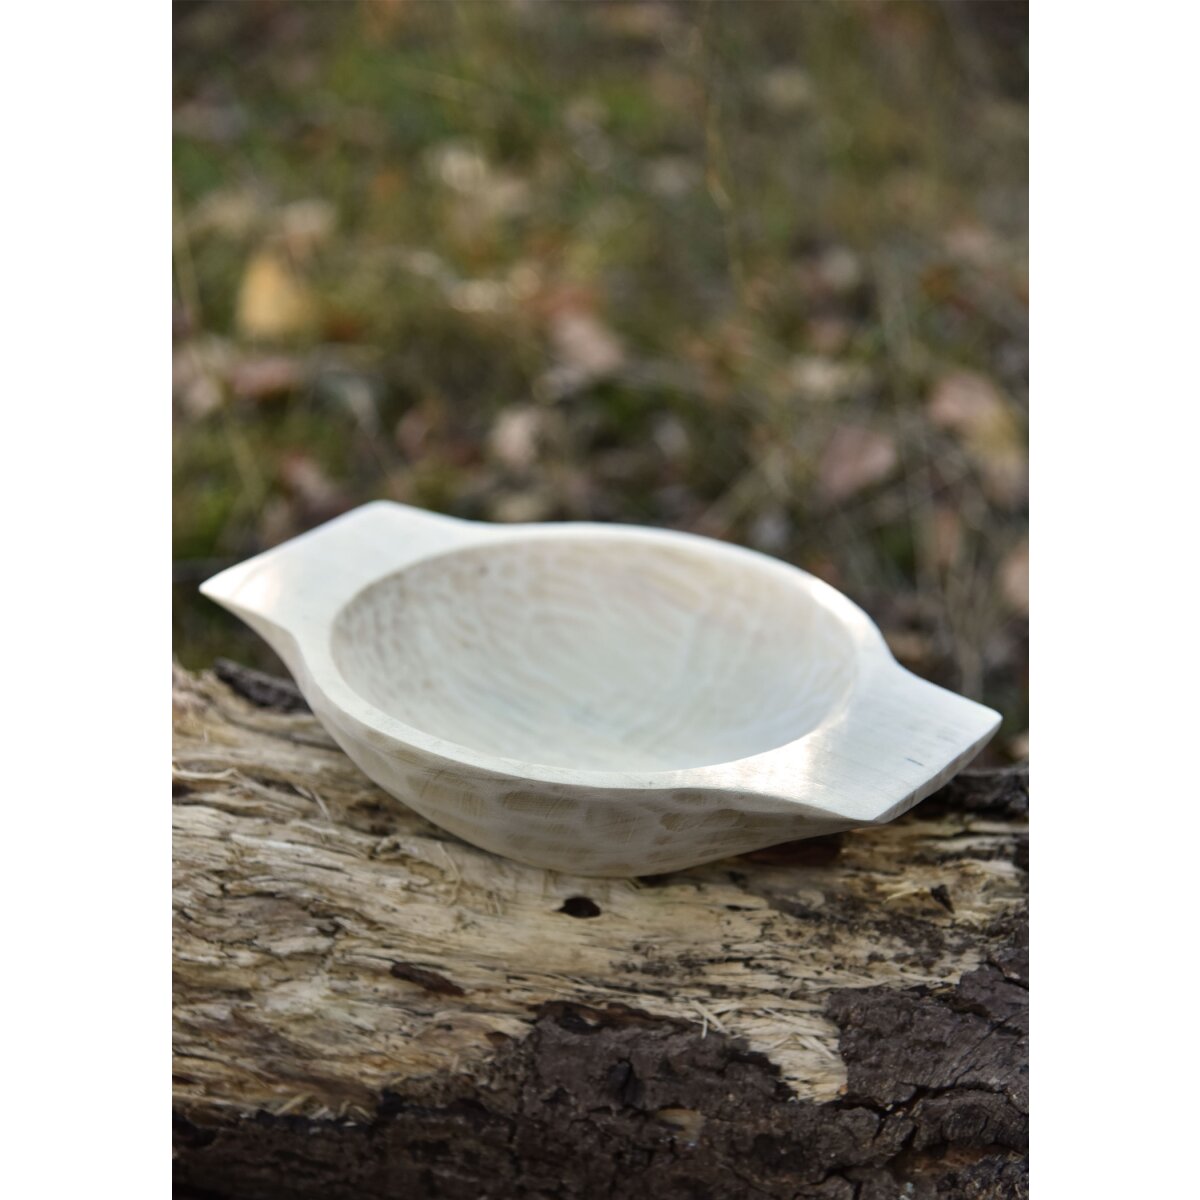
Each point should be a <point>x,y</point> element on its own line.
<point>970,404</point>
<point>233,212</point>
<point>672,438</point>
<point>479,296</point>
<point>786,89</point>
<point>946,535</point>
<point>586,348</point>
<point>487,194</point>
<point>306,224</point>
<point>200,396</point>
<point>829,335</point>
<point>316,494</point>
<point>513,439</point>
<point>974,244</point>
<point>265,377</point>
<point>356,395</point>
<point>770,530</point>
<point>520,507</point>
<point>585,344</point>
<point>1005,473</point>
<point>839,269</point>
<point>1014,578</point>
<point>274,302</point>
<point>855,458</point>
<point>911,648</point>
<point>973,408</point>
<point>460,166</point>
<point>647,22</point>
<point>415,432</point>
<point>211,121</point>
<point>384,17</point>
<point>672,176</point>
<point>277,521</point>
<point>198,371</point>
<point>825,379</point>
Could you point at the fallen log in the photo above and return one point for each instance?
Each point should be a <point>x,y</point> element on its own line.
<point>367,1007</point>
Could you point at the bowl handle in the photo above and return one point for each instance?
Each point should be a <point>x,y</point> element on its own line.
<point>296,588</point>
<point>899,739</point>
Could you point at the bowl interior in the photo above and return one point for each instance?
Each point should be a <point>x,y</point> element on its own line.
<point>599,652</point>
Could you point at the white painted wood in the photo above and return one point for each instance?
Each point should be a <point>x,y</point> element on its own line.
<point>599,699</point>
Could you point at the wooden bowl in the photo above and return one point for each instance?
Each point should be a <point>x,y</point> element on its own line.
<point>599,699</point>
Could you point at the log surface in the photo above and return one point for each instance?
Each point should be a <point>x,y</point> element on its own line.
<point>367,1007</point>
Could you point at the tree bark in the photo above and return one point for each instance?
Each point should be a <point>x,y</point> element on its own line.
<point>367,1007</point>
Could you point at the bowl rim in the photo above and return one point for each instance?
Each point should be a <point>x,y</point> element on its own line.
<point>893,739</point>
<point>868,651</point>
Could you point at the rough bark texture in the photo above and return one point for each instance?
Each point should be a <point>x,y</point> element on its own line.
<point>366,1007</point>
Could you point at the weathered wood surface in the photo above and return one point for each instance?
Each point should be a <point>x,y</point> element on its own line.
<point>367,1007</point>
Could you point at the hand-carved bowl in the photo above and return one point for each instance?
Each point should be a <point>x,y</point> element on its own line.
<point>599,699</point>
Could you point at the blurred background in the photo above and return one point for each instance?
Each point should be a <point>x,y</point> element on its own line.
<point>753,270</point>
